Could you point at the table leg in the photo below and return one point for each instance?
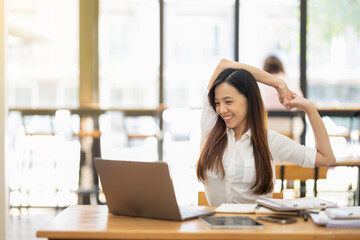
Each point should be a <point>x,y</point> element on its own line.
<point>302,189</point>
<point>358,188</point>
<point>316,176</point>
<point>90,148</point>
<point>282,170</point>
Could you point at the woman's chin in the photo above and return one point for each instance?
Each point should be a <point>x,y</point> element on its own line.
<point>229,125</point>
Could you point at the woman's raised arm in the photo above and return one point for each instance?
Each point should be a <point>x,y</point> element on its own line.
<point>325,155</point>
<point>261,76</point>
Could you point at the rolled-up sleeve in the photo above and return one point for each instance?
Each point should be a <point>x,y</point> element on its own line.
<point>283,149</point>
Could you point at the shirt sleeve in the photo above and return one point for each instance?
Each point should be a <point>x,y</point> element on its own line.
<point>208,119</point>
<point>283,149</point>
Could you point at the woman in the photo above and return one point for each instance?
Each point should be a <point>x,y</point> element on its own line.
<point>236,163</point>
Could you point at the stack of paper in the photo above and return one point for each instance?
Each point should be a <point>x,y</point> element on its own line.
<point>343,213</point>
<point>295,204</point>
<point>346,217</point>
<point>249,208</point>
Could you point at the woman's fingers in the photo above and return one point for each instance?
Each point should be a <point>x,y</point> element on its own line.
<point>285,95</point>
<point>298,102</point>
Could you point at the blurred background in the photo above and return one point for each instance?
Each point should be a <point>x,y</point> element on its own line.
<point>125,79</point>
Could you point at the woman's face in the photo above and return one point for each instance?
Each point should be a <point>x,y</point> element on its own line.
<point>232,107</point>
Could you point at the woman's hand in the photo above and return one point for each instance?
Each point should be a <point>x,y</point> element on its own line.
<point>285,94</point>
<point>299,103</point>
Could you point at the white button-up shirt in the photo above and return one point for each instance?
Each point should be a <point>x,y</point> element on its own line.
<point>239,163</point>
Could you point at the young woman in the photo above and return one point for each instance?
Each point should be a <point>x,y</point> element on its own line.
<point>236,163</point>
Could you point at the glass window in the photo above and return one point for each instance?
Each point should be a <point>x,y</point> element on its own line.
<point>197,35</point>
<point>129,53</point>
<point>271,28</point>
<point>43,53</point>
<point>333,53</point>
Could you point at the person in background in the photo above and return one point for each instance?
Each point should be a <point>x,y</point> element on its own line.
<point>274,66</point>
<point>290,127</point>
<point>236,163</point>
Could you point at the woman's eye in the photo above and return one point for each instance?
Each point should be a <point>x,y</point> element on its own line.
<point>229,102</point>
<point>216,104</point>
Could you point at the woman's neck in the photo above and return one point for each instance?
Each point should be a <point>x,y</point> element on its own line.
<point>239,132</point>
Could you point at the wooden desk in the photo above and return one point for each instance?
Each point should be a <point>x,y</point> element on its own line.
<point>94,222</point>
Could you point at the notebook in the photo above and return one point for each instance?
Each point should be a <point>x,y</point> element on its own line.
<point>142,189</point>
<point>295,204</point>
<point>323,219</point>
<point>343,212</point>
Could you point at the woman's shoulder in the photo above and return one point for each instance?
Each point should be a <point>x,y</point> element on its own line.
<point>273,136</point>
<point>272,133</point>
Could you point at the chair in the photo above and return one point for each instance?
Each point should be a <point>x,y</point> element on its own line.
<point>89,130</point>
<point>290,171</point>
<point>202,200</point>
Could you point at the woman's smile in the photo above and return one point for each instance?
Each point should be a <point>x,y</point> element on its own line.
<point>228,118</point>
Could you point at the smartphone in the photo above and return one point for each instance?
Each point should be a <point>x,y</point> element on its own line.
<point>276,219</point>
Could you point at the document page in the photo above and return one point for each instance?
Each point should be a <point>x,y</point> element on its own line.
<point>249,208</point>
<point>236,208</point>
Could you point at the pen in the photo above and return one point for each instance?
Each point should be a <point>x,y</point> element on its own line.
<point>305,216</point>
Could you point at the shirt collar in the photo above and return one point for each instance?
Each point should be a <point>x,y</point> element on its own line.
<point>246,135</point>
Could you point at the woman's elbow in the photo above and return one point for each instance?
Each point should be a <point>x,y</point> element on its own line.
<point>330,161</point>
<point>224,63</point>
<point>325,161</point>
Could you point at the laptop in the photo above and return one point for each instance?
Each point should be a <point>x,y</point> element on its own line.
<point>142,189</point>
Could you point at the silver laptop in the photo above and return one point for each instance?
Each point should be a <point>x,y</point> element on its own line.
<point>142,189</point>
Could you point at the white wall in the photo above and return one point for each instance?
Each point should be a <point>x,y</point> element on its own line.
<point>3,116</point>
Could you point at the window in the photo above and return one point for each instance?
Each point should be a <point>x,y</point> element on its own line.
<point>333,53</point>
<point>129,53</point>
<point>271,28</point>
<point>197,35</point>
<point>43,53</point>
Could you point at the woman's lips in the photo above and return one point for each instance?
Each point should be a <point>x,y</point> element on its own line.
<point>227,118</point>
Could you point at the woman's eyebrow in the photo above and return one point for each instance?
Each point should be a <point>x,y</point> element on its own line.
<point>224,98</point>
<point>227,97</point>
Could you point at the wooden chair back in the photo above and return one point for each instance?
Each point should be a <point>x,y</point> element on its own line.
<point>294,172</point>
<point>202,200</point>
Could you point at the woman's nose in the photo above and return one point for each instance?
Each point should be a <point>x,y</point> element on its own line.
<point>222,108</point>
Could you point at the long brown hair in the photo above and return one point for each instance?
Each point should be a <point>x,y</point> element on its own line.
<point>213,150</point>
